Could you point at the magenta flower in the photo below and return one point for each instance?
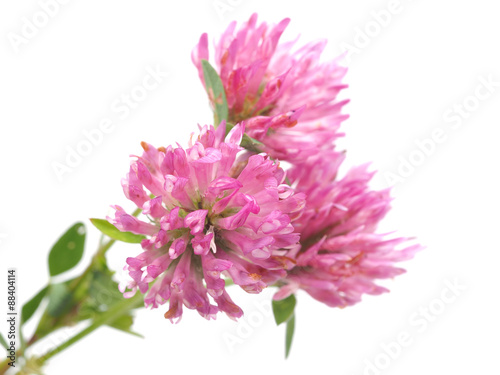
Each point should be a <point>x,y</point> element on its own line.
<point>209,214</point>
<point>269,86</point>
<point>341,256</point>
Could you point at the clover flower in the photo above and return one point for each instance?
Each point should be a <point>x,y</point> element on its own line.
<point>211,212</point>
<point>287,98</point>
<point>341,255</point>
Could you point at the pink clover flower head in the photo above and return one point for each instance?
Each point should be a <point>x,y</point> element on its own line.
<point>341,256</point>
<point>209,215</point>
<point>286,97</point>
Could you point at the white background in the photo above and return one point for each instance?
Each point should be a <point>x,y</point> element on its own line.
<point>427,59</point>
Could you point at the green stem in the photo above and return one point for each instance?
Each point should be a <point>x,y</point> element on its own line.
<point>107,317</point>
<point>4,364</point>
<point>98,256</point>
<point>73,287</point>
<point>4,367</point>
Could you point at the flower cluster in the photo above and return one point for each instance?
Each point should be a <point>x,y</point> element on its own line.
<point>217,212</point>
<point>286,98</point>
<point>209,213</point>
<point>340,254</point>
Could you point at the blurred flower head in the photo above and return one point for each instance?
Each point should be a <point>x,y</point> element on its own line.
<point>341,256</point>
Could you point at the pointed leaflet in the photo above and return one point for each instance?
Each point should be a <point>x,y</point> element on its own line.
<point>290,329</point>
<point>68,250</point>
<point>283,309</point>
<point>284,312</point>
<point>31,306</point>
<point>111,231</point>
<point>216,93</point>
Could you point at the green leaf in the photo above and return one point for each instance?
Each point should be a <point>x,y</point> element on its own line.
<point>31,306</point>
<point>68,250</point>
<point>247,142</point>
<point>60,299</point>
<point>124,323</point>
<point>3,342</point>
<point>111,231</point>
<point>283,309</point>
<point>290,329</point>
<point>251,144</point>
<point>216,93</point>
<point>61,308</point>
<point>102,295</point>
<point>102,292</point>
